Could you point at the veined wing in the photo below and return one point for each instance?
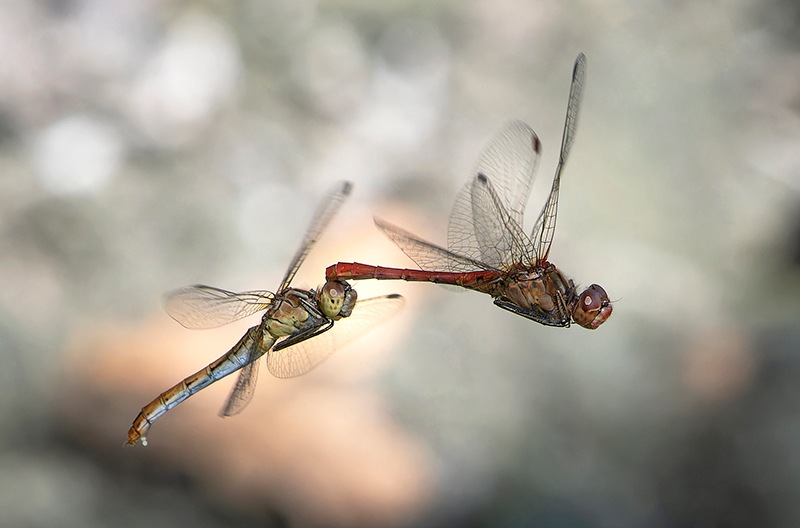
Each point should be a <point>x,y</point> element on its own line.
<point>324,213</point>
<point>429,256</point>
<point>304,356</point>
<point>500,238</point>
<point>509,163</point>
<point>545,227</point>
<point>245,386</point>
<point>201,306</point>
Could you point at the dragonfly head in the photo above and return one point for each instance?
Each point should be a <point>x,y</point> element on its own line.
<point>337,299</point>
<point>592,308</point>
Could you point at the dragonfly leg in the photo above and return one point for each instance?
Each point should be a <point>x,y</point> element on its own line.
<point>303,335</point>
<point>544,318</point>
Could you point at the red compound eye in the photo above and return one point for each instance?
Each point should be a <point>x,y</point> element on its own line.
<point>592,299</point>
<point>593,307</point>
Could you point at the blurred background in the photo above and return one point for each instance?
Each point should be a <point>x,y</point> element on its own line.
<point>145,145</point>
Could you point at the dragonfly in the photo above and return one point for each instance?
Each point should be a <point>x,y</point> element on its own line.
<point>292,317</point>
<point>487,248</point>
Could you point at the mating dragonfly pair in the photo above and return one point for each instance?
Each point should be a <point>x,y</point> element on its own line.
<point>488,251</point>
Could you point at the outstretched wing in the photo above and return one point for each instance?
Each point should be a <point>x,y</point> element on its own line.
<point>324,213</point>
<point>501,239</point>
<point>545,227</point>
<point>509,163</point>
<point>426,255</point>
<point>256,344</point>
<point>304,356</point>
<point>201,306</point>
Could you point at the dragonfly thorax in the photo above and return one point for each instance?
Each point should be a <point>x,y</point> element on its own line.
<point>541,289</point>
<point>289,314</point>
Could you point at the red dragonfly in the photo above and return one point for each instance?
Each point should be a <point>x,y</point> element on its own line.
<point>488,250</point>
<point>292,317</point>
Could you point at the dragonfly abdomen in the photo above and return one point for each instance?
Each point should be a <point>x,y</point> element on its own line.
<point>484,281</point>
<point>233,360</point>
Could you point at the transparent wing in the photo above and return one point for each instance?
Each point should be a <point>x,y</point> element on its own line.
<point>324,213</point>
<point>245,387</point>
<point>545,227</point>
<point>426,255</point>
<point>304,356</point>
<point>509,163</point>
<point>201,306</point>
<point>501,240</point>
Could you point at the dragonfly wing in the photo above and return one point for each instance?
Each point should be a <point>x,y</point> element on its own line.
<point>464,232</point>
<point>304,356</point>
<point>322,216</point>
<point>201,306</point>
<point>426,255</point>
<point>509,163</point>
<point>501,240</point>
<point>545,227</point>
<point>243,391</point>
<point>245,386</point>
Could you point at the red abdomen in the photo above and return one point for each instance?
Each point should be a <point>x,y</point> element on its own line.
<point>483,281</point>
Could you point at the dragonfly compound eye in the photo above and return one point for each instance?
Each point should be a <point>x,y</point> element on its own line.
<point>590,300</point>
<point>333,297</point>
<point>593,307</point>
